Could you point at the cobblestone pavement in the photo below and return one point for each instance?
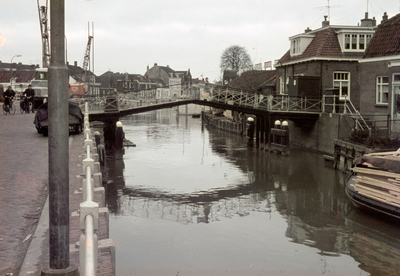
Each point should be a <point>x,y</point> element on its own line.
<point>23,186</point>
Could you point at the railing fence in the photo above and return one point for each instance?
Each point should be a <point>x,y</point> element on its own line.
<point>89,210</point>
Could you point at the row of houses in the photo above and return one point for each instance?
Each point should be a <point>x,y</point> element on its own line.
<point>358,63</point>
<point>160,82</point>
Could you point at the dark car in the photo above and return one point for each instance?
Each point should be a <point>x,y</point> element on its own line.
<point>75,118</point>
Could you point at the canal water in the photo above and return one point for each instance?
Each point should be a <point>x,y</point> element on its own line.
<point>188,200</point>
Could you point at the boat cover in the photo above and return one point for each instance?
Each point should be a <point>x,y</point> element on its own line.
<point>386,162</point>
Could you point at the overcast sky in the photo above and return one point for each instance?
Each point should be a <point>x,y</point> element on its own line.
<point>184,34</point>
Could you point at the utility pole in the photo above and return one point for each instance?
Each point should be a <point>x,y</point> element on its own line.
<point>59,263</point>
<point>44,32</point>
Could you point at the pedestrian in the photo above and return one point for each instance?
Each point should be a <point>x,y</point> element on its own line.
<point>9,94</point>
<point>29,93</point>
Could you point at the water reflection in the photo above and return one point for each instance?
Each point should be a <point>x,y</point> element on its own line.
<point>300,188</point>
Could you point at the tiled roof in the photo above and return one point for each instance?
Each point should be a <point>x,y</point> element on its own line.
<point>158,81</point>
<point>386,40</point>
<point>17,66</point>
<point>21,76</point>
<point>109,79</point>
<point>254,80</point>
<point>325,44</point>
<point>167,69</point>
<point>195,81</point>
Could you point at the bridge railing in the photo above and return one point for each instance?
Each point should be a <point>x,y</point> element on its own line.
<point>337,104</point>
<point>269,102</point>
<point>123,101</point>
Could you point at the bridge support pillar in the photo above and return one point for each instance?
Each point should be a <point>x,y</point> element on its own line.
<point>280,134</point>
<point>113,136</point>
<point>250,126</point>
<point>258,131</point>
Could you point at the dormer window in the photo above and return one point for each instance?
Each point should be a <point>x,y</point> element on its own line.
<point>295,46</point>
<point>299,44</point>
<point>356,42</point>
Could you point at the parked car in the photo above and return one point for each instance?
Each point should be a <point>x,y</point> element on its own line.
<point>75,118</point>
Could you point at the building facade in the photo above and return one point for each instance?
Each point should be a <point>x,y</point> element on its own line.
<point>330,55</point>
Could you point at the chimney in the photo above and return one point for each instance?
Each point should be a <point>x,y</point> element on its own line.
<point>366,22</point>
<point>75,63</point>
<point>325,23</point>
<point>167,66</point>
<point>307,30</point>
<point>384,17</point>
<point>155,64</point>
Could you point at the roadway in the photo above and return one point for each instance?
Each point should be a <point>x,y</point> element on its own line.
<point>24,192</point>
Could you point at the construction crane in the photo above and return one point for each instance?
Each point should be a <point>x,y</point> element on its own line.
<point>86,59</point>
<point>44,31</point>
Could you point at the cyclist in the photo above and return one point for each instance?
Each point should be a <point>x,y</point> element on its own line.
<point>30,94</point>
<point>9,95</point>
<point>24,103</point>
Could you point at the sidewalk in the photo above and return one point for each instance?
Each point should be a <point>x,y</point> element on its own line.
<point>23,186</point>
<point>23,191</point>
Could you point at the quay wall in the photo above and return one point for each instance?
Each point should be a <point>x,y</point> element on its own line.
<point>321,136</point>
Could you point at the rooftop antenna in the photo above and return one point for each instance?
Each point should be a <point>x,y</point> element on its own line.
<point>329,7</point>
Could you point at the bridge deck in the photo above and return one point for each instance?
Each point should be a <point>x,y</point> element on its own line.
<point>101,115</point>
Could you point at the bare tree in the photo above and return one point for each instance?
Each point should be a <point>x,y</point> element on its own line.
<point>234,58</point>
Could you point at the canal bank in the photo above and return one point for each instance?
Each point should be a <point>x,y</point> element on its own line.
<point>323,136</point>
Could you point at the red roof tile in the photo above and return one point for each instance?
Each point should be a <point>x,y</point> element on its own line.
<point>254,80</point>
<point>324,44</point>
<point>386,40</point>
<point>21,76</point>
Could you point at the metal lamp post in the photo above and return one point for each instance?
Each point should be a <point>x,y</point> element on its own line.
<point>59,263</point>
<point>11,69</point>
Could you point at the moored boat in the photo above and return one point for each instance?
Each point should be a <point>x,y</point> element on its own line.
<point>374,185</point>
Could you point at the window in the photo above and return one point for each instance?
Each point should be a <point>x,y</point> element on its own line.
<point>281,85</point>
<point>382,90</point>
<point>356,41</point>
<point>341,80</point>
<point>361,42</point>
<point>294,47</point>
<point>295,50</point>
<point>347,41</point>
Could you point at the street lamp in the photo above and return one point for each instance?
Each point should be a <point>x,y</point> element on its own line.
<point>15,56</point>
<point>11,69</point>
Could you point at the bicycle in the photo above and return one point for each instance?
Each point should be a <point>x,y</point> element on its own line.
<point>10,108</point>
<point>24,104</point>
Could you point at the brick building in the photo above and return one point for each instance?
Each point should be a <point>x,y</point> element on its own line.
<point>380,71</point>
<point>329,56</point>
<point>180,82</point>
